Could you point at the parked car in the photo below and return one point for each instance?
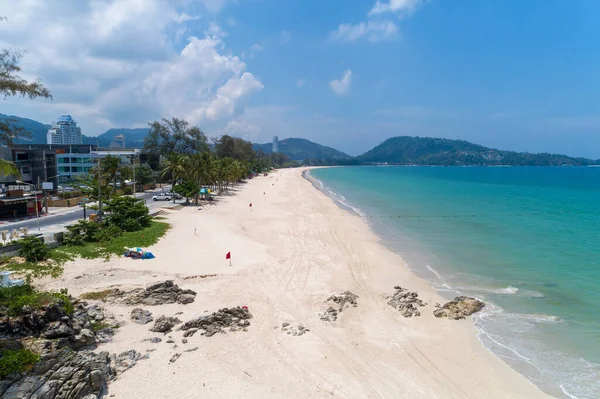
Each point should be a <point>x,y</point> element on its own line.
<point>162,197</point>
<point>6,281</point>
<point>177,196</point>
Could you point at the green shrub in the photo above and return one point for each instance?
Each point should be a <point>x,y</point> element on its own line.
<point>16,361</point>
<point>107,233</point>
<point>73,239</point>
<point>128,213</point>
<point>33,249</point>
<point>13,299</point>
<point>128,190</point>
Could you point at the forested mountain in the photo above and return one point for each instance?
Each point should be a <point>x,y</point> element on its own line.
<point>134,138</point>
<point>407,150</point>
<point>36,129</point>
<point>402,150</point>
<point>302,149</point>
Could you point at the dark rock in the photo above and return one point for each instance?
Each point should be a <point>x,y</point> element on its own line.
<point>175,357</point>
<point>337,303</point>
<point>64,374</point>
<point>125,360</point>
<point>58,329</point>
<point>105,335</point>
<point>184,341</point>
<point>154,294</point>
<point>215,322</point>
<point>407,302</point>
<point>459,308</point>
<point>164,324</point>
<point>141,316</point>
<point>85,338</point>
<point>154,340</point>
<point>194,349</point>
<point>190,332</point>
<point>95,312</point>
<point>54,312</point>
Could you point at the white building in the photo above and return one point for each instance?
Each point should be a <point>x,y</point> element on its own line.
<point>65,131</point>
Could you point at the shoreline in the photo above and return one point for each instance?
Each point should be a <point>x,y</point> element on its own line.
<point>291,251</point>
<point>440,288</point>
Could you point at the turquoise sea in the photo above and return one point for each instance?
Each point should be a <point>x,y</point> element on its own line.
<point>526,240</point>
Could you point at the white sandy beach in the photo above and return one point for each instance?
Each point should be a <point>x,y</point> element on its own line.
<point>290,252</point>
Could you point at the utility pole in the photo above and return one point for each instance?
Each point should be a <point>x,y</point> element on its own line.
<point>37,212</point>
<point>99,194</point>
<point>45,179</point>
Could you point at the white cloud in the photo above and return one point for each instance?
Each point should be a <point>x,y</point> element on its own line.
<point>115,63</point>
<point>301,82</point>
<point>256,47</point>
<point>378,26</point>
<point>374,31</point>
<point>342,86</point>
<point>395,6</point>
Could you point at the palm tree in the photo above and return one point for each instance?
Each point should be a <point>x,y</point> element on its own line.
<point>8,168</point>
<point>110,168</point>
<point>176,168</point>
<point>198,168</point>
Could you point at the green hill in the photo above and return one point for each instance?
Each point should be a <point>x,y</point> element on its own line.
<point>302,149</point>
<point>407,150</point>
<point>134,138</point>
<point>36,129</point>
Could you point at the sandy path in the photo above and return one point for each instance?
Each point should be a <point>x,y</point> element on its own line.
<point>291,251</point>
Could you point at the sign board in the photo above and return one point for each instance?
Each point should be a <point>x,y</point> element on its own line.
<point>48,185</point>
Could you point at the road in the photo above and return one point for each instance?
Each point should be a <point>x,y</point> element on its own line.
<point>56,222</point>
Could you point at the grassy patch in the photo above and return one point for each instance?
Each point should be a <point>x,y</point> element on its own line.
<point>13,299</point>
<point>98,325</point>
<point>20,360</point>
<point>30,269</point>
<point>97,296</point>
<point>92,250</point>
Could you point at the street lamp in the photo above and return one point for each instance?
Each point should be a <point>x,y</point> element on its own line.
<point>37,213</point>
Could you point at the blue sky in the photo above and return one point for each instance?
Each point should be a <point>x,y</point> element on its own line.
<point>349,74</point>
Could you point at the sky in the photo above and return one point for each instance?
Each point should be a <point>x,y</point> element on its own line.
<point>514,75</point>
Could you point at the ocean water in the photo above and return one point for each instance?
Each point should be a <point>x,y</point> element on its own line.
<point>526,240</point>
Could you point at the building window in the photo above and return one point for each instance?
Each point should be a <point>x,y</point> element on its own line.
<point>64,169</point>
<point>26,170</point>
<point>63,160</point>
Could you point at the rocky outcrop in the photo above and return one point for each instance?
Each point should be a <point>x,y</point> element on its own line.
<point>154,294</point>
<point>141,316</point>
<point>67,374</point>
<point>459,308</point>
<point>164,324</point>
<point>406,302</point>
<point>337,303</point>
<point>233,318</point>
<point>293,330</point>
<point>50,328</point>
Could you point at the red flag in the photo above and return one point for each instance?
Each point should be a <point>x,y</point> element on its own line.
<point>251,205</point>
<point>228,256</point>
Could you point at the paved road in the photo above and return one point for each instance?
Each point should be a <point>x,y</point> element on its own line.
<point>55,222</point>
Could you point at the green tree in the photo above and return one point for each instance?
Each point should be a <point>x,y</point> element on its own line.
<point>111,166</point>
<point>127,213</point>
<point>175,168</point>
<point>173,136</point>
<point>187,188</point>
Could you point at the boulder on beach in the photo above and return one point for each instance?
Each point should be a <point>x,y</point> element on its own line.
<point>337,303</point>
<point>141,316</point>
<point>159,293</point>
<point>459,308</point>
<point>406,302</point>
